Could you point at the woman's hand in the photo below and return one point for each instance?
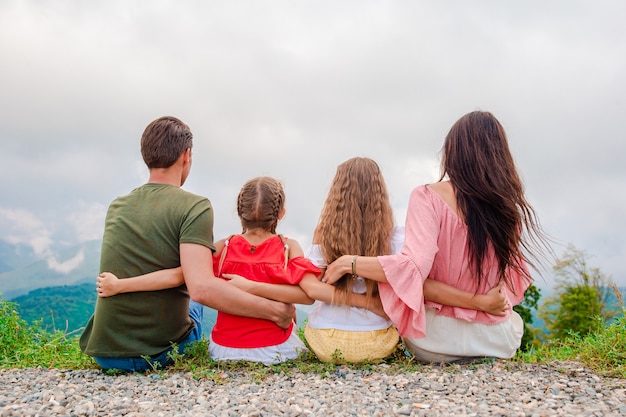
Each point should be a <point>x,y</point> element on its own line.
<point>495,301</point>
<point>337,269</point>
<point>107,284</point>
<point>238,281</point>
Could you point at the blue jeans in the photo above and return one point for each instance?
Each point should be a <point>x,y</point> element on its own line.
<point>161,360</point>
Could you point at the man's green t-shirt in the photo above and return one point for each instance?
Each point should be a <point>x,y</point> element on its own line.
<point>143,232</point>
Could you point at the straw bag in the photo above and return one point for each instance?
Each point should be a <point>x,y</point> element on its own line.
<point>343,346</point>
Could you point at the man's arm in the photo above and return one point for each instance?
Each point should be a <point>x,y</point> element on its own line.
<point>205,288</point>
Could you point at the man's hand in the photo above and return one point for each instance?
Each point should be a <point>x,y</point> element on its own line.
<point>286,314</point>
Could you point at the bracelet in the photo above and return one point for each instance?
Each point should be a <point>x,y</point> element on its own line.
<point>354,265</point>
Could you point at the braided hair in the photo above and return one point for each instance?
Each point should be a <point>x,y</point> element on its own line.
<point>259,204</point>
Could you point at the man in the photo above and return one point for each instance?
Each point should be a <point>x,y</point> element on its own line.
<point>160,226</point>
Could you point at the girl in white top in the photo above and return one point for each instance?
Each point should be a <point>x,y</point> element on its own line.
<point>356,218</point>
<point>326,315</point>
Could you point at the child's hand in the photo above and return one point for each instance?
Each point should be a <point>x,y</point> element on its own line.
<point>108,284</point>
<point>238,281</point>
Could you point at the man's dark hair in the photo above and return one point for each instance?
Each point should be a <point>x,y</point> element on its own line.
<point>164,140</point>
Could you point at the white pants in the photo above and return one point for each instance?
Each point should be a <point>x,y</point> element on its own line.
<point>448,339</point>
<point>290,349</point>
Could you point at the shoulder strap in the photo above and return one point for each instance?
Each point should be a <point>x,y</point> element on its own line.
<point>223,256</point>
<point>286,246</point>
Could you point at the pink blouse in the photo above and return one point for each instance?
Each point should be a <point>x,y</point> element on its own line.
<point>435,247</point>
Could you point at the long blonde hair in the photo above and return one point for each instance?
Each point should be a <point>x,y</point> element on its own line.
<point>356,218</point>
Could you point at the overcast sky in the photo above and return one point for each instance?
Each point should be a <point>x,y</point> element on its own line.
<point>291,89</point>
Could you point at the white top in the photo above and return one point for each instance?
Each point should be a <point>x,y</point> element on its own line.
<point>327,316</point>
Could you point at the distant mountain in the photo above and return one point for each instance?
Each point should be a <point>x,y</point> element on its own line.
<point>14,256</point>
<point>22,271</point>
<point>65,308</point>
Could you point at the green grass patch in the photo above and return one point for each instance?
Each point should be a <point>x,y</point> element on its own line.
<point>24,345</point>
<point>603,351</point>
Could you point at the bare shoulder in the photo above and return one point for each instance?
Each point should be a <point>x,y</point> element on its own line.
<point>445,191</point>
<point>443,188</point>
<point>295,249</point>
<point>219,245</point>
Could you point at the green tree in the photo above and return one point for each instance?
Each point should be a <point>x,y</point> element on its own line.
<point>524,309</point>
<point>580,303</point>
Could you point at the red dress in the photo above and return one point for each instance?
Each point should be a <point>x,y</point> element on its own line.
<point>262,263</point>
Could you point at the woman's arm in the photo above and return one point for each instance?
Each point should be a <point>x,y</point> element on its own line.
<point>108,284</point>
<point>365,266</point>
<point>494,302</point>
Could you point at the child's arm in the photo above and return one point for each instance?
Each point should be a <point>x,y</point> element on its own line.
<point>109,284</point>
<point>286,293</point>
<point>309,290</point>
<point>321,291</point>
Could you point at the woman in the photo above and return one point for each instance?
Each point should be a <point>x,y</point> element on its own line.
<point>470,231</point>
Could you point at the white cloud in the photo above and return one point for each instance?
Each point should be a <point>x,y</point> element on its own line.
<point>22,227</point>
<point>66,266</point>
<point>88,221</point>
<point>292,89</point>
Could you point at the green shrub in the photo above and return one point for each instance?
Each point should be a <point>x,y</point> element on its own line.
<point>603,351</point>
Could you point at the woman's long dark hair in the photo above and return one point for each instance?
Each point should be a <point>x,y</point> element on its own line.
<point>490,195</point>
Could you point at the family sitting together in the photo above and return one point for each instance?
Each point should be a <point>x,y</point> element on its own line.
<point>445,283</point>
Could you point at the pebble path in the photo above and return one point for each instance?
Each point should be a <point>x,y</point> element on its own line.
<point>499,388</point>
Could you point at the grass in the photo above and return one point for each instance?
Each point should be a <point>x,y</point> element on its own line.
<point>603,351</point>
<point>27,346</point>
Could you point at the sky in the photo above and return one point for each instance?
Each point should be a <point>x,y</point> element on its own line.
<point>291,89</point>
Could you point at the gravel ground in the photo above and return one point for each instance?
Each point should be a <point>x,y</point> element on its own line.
<point>500,388</point>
